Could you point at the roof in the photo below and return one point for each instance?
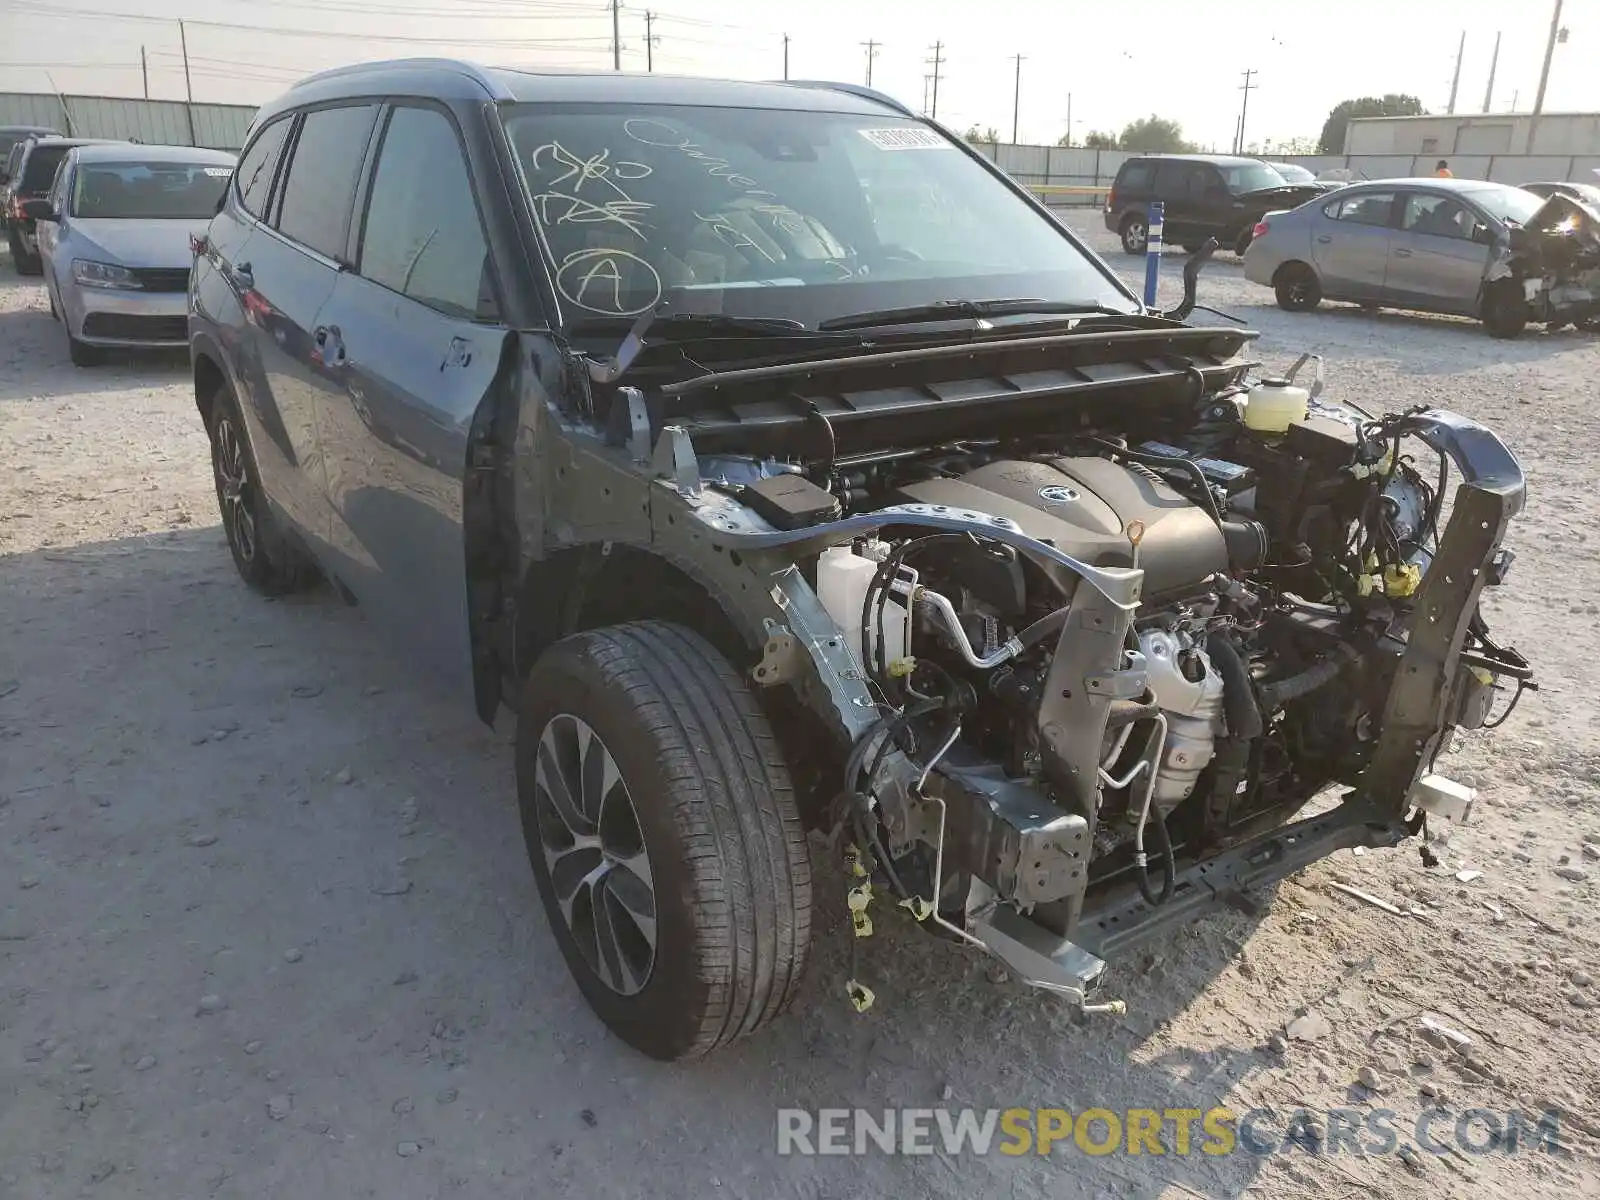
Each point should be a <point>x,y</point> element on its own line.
<point>1429,181</point>
<point>1221,160</point>
<point>451,79</point>
<point>137,152</point>
<point>28,129</point>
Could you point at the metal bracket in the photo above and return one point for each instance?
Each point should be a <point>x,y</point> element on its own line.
<point>1042,959</point>
<point>638,424</point>
<point>820,638</point>
<point>674,459</point>
<point>1127,684</point>
<point>781,659</point>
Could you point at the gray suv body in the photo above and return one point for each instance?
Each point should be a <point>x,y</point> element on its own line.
<point>783,466</point>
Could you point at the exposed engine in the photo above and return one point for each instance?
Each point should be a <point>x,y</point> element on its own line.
<point>1280,574</point>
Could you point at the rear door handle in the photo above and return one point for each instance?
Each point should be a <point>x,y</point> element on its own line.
<point>330,344</point>
<point>1402,253</point>
<point>242,276</point>
<point>1324,238</point>
<point>459,354</point>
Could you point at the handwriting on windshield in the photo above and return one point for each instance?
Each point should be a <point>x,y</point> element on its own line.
<point>589,191</point>
<point>610,281</point>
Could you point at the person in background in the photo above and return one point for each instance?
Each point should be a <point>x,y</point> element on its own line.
<point>1442,170</point>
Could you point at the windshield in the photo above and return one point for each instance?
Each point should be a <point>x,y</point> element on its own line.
<point>1250,177</point>
<point>1509,204</point>
<point>145,191</point>
<point>780,213</point>
<point>1293,173</point>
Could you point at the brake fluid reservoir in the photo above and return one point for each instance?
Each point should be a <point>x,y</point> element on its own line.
<point>843,577</point>
<point>1275,404</point>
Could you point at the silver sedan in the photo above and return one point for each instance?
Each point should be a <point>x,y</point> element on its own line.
<point>1420,244</point>
<point>114,236</point>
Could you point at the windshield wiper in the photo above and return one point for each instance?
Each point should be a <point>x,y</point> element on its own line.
<point>668,327</point>
<point>952,310</point>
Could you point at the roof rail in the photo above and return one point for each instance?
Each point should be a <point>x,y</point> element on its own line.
<point>852,89</point>
<point>458,66</point>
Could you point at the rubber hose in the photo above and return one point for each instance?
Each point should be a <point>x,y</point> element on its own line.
<point>1276,695</point>
<point>1238,694</point>
<point>1126,712</point>
<point>1169,865</point>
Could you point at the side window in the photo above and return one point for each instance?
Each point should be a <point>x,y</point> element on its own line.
<point>1368,208</point>
<point>1169,179</point>
<point>315,210</point>
<point>1137,176</point>
<point>422,235</point>
<point>259,165</point>
<point>1436,215</point>
<point>1199,179</point>
<point>58,189</point>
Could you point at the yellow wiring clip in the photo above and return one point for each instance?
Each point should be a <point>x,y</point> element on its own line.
<point>853,863</point>
<point>901,667</point>
<point>1402,581</point>
<point>1364,584</point>
<point>920,908</point>
<point>858,898</point>
<point>860,994</point>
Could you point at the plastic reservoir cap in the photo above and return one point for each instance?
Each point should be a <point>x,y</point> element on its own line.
<point>1273,381</point>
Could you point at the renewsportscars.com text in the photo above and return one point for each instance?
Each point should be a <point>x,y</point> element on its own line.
<point>1161,1131</point>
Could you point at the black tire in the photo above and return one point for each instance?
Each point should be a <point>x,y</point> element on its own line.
<point>264,557</point>
<point>83,354</point>
<point>1505,312</point>
<point>1242,242</point>
<point>1297,288</point>
<point>1135,233</point>
<point>25,263</point>
<point>714,810</point>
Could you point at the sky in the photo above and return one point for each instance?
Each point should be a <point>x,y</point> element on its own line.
<point>1112,62</point>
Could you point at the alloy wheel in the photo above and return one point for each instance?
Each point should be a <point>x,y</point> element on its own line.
<point>233,488</point>
<point>594,849</point>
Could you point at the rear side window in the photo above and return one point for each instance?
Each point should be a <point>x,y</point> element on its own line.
<point>1369,208</point>
<point>258,166</point>
<point>422,236</point>
<point>1136,176</point>
<point>315,210</point>
<point>40,170</point>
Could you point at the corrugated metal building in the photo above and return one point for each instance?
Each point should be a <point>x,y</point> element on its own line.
<point>154,122</point>
<point>1558,135</point>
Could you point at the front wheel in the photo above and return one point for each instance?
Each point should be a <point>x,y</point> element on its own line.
<point>25,263</point>
<point>664,836</point>
<point>1135,233</point>
<point>1505,312</point>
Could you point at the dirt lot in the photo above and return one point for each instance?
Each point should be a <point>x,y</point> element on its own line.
<point>266,926</point>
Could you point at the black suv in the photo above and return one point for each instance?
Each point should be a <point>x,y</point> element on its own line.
<point>784,465</point>
<point>1203,196</point>
<point>32,166</point>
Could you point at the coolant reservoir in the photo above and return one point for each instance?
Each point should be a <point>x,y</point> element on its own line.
<point>1275,404</point>
<point>843,577</point>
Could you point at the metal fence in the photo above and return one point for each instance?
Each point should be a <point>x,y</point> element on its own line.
<point>154,122</point>
<point>1077,176</point>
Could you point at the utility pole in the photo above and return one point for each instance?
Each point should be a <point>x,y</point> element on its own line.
<point>1455,80</point>
<point>1544,75</point>
<point>938,62</point>
<point>872,53</point>
<point>188,87</point>
<point>1488,92</point>
<point>1016,100</point>
<point>616,35</point>
<point>786,56</point>
<point>1069,120</point>
<point>1244,108</point>
<point>651,40</point>
<point>144,69</point>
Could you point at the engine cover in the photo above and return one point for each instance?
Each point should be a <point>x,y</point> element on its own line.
<point>1083,507</point>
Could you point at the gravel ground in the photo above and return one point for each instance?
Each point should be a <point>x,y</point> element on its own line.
<point>266,927</point>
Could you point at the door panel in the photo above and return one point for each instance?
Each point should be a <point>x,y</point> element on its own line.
<point>1350,245</point>
<point>418,331</point>
<point>1434,263</point>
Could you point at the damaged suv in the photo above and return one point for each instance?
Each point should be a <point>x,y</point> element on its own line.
<point>784,466</point>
